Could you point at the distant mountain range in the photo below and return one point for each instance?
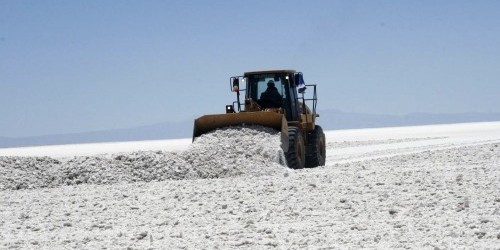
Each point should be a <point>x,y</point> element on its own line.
<point>336,119</point>
<point>329,120</point>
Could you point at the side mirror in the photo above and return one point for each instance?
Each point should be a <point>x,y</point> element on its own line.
<point>236,84</point>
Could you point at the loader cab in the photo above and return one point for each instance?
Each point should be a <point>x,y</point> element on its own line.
<point>262,86</point>
<point>257,83</point>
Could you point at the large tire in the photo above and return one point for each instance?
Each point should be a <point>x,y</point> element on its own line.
<point>295,157</point>
<point>316,150</point>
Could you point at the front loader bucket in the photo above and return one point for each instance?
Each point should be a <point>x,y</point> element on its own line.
<point>273,120</point>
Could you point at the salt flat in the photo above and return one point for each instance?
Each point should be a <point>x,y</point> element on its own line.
<point>426,187</point>
<point>427,135</point>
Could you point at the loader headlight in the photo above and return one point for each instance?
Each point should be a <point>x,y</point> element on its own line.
<point>229,109</point>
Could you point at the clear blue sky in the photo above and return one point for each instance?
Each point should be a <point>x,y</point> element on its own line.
<point>74,66</point>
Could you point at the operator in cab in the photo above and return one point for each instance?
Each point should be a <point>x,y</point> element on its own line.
<point>270,98</point>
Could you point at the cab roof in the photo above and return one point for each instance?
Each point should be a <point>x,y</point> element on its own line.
<point>279,71</point>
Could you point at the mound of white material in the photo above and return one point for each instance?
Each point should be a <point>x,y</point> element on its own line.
<point>223,153</point>
<point>226,152</point>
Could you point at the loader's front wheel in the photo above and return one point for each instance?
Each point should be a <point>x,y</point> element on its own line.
<point>295,157</point>
<point>316,150</point>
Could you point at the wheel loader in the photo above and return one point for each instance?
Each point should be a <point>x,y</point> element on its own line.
<point>275,99</point>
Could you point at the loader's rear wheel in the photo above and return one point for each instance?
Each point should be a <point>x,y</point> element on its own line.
<point>295,157</point>
<point>316,150</point>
